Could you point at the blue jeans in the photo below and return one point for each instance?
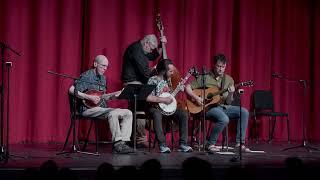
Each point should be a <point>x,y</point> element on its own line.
<point>221,116</point>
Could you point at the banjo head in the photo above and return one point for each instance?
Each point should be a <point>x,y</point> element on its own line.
<point>168,109</point>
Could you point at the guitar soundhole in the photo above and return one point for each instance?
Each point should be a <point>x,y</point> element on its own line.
<point>209,96</point>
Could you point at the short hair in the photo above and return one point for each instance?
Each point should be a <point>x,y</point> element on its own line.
<point>151,38</point>
<point>220,57</point>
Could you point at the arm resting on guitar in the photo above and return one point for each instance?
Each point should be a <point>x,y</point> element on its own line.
<point>189,91</point>
<point>194,97</point>
<point>156,99</point>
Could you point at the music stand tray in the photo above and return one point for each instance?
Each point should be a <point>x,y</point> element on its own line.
<point>136,92</point>
<point>142,91</point>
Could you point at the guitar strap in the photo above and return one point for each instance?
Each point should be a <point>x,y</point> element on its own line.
<point>222,81</point>
<point>222,85</point>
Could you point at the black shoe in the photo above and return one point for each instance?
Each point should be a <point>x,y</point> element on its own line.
<point>121,148</point>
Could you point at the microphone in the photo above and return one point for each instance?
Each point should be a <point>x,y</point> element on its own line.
<point>195,72</point>
<point>204,71</point>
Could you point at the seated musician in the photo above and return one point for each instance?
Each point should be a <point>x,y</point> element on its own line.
<point>222,112</point>
<point>162,81</point>
<point>120,120</point>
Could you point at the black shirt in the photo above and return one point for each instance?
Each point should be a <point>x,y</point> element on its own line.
<point>135,65</point>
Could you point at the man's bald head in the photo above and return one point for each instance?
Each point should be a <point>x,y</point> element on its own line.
<point>101,64</point>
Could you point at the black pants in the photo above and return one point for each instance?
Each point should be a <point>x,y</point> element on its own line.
<point>179,115</point>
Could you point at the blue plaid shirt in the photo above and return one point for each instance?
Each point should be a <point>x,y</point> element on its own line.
<point>99,83</point>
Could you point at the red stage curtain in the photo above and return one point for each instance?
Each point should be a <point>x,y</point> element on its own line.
<point>258,38</point>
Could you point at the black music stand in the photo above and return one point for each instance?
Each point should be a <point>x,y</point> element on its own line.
<point>134,92</point>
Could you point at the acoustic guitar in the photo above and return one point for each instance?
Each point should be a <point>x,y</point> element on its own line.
<point>212,97</point>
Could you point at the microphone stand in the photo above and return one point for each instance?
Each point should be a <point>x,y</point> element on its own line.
<point>303,82</point>
<point>202,124</point>
<point>4,150</point>
<point>204,108</point>
<point>235,159</point>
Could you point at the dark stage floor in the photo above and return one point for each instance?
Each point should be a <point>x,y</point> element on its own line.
<point>33,155</point>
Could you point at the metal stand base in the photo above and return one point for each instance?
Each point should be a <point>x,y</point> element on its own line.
<point>303,145</point>
<point>75,150</point>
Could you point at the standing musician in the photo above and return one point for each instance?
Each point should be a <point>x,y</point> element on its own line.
<point>222,112</point>
<point>135,70</point>
<point>120,120</point>
<point>165,70</point>
<point>135,67</point>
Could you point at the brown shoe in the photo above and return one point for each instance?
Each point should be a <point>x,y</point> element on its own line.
<point>144,144</point>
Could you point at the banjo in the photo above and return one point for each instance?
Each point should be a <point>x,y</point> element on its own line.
<point>169,109</point>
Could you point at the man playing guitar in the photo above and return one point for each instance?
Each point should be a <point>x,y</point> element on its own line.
<point>221,112</point>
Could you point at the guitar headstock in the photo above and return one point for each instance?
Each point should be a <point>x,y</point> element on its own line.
<point>247,83</point>
<point>193,71</point>
<point>159,22</point>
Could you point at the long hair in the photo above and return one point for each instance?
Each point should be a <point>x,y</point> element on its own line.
<point>163,67</point>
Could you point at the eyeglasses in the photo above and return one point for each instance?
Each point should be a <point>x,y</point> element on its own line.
<point>103,65</point>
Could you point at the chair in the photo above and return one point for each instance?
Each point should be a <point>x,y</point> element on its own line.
<point>263,105</point>
<point>76,116</point>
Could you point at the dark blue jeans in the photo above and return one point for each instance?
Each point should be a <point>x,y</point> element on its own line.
<point>221,116</point>
<point>179,115</point>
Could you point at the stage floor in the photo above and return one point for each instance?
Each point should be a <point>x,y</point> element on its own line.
<point>33,155</point>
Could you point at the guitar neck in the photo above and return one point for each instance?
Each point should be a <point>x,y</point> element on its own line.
<point>175,92</point>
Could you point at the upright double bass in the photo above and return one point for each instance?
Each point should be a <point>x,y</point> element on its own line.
<point>176,77</point>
